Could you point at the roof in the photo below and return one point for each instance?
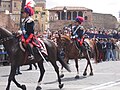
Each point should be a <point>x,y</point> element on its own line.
<point>70,8</point>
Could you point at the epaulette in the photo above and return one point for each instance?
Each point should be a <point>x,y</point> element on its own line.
<point>30,20</point>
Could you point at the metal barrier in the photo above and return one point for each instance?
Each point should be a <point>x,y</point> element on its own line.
<point>3,56</point>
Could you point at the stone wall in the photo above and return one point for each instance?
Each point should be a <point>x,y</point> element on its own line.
<point>59,24</point>
<point>106,21</point>
<point>6,22</point>
<point>100,21</point>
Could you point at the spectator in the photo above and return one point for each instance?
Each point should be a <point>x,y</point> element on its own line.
<point>109,53</point>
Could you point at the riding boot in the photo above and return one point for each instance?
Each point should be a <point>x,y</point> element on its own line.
<point>83,48</point>
<point>31,56</point>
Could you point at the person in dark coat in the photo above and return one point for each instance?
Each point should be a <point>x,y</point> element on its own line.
<point>28,29</point>
<point>78,32</point>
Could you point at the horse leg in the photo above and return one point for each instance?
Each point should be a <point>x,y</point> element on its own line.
<point>87,58</point>
<point>91,73</point>
<point>57,71</point>
<point>42,71</point>
<point>66,61</point>
<point>76,65</point>
<point>35,66</point>
<point>12,78</point>
<point>62,75</point>
<point>89,63</point>
<point>85,71</point>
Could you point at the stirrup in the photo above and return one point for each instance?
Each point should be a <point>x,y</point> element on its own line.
<point>31,57</point>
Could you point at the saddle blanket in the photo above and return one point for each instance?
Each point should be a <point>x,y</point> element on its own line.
<point>38,43</point>
<point>43,47</point>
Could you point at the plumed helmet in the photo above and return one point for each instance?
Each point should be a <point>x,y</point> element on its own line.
<point>28,9</point>
<point>79,19</point>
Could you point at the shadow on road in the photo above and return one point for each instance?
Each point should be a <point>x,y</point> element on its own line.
<point>5,76</point>
<point>67,79</point>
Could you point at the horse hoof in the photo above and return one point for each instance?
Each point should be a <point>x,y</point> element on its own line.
<point>61,86</point>
<point>91,74</point>
<point>62,75</point>
<point>23,87</point>
<point>84,74</point>
<point>77,77</point>
<point>38,88</point>
<point>7,88</point>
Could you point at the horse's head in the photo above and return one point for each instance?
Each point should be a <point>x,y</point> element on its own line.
<point>63,42</point>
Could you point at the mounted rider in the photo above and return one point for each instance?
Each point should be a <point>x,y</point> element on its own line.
<point>28,29</point>
<point>78,32</point>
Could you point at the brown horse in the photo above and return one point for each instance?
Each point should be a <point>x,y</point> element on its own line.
<point>72,52</point>
<point>17,58</point>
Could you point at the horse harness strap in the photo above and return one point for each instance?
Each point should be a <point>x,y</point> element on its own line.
<point>5,39</point>
<point>76,29</point>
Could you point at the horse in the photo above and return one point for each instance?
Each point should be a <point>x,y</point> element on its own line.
<point>71,52</point>
<point>18,58</point>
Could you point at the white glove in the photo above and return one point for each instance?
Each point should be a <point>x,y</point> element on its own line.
<point>24,32</point>
<point>73,37</point>
<point>76,35</point>
<point>19,32</point>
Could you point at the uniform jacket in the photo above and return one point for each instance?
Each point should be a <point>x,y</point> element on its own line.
<point>28,26</point>
<point>78,30</point>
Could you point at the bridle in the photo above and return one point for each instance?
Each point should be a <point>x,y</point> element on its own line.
<point>2,40</point>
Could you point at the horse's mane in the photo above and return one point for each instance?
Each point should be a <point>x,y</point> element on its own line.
<point>5,30</point>
<point>66,37</point>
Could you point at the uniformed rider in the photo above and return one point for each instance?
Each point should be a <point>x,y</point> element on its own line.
<point>28,29</point>
<point>78,32</point>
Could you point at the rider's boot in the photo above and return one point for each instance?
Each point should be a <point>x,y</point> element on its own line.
<point>31,56</point>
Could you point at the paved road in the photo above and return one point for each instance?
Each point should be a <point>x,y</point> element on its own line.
<point>106,77</point>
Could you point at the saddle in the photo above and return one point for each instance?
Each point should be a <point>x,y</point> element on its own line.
<point>37,43</point>
<point>82,45</point>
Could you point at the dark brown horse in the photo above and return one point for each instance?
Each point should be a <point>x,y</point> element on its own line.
<point>17,58</point>
<point>72,52</point>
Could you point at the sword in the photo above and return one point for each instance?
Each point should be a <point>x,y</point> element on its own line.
<point>43,57</point>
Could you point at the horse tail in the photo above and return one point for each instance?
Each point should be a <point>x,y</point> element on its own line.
<point>64,64</point>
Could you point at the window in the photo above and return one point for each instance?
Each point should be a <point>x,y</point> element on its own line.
<point>14,4</point>
<point>74,15</point>
<point>86,18</point>
<point>63,15</point>
<point>69,15</point>
<point>80,14</point>
<point>58,15</point>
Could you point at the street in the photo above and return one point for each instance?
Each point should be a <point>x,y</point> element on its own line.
<point>106,77</point>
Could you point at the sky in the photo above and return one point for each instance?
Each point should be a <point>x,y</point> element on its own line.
<point>98,6</point>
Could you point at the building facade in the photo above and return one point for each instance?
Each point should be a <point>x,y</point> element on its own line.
<point>68,14</point>
<point>13,8</point>
<point>5,5</point>
<point>40,3</point>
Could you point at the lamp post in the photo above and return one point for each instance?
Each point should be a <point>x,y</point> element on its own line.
<point>65,11</point>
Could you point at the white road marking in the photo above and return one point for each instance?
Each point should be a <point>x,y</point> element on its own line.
<point>103,86</point>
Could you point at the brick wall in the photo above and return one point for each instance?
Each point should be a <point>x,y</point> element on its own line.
<point>6,22</point>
